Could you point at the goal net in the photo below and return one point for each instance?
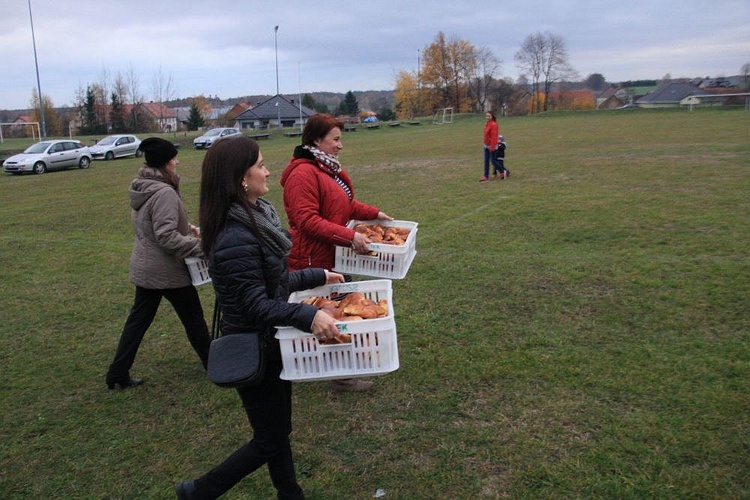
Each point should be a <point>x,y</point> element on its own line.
<point>12,130</point>
<point>443,116</point>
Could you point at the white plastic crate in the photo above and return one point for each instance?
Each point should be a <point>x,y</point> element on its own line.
<point>198,270</point>
<point>373,349</point>
<point>387,261</point>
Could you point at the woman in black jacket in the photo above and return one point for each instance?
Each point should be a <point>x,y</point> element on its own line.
<point>242,235</point>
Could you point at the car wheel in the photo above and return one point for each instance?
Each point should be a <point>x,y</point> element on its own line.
<point>138,153</point>
<point>40,167</point>
<point>109,156</point>
<point>84,162</point>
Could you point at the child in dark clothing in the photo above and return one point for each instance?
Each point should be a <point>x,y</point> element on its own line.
<point>499,164</point>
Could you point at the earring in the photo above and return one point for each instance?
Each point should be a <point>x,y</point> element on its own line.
<point>244,186</point>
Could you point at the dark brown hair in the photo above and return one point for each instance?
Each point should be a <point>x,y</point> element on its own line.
<point>318,126</point>
<point>492,115</point>
<point>224,166</point>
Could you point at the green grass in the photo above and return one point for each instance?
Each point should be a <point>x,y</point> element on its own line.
<point>577,331</point>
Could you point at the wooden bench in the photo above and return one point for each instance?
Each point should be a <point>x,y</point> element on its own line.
<point>350,128</point>
<point>260,136</point>
<point>292,133</point>
<point>415,123</point>
<point>394,124</point>
<point>373,126</point>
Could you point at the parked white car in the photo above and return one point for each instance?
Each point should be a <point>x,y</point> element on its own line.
<point>206,140</point>
<point>116,146</point>
<point>49,155</point>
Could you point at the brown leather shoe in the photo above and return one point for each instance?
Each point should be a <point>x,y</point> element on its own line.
<point>351,385</point>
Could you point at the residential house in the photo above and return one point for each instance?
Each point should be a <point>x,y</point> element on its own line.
<point>669,96</point>
<point>718,97</point>
<point>277,111</point>
<point>164,118</point>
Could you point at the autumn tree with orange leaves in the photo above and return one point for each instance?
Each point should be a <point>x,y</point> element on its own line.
<point>448,66</point>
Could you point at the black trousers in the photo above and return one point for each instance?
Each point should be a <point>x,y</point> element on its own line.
<point>269,409</point>
<point>186,304</point>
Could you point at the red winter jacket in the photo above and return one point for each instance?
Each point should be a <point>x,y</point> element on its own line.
<point>490,135</point>
<point>318,210</point>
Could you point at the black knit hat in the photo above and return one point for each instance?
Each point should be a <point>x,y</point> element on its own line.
<point>158,151</point>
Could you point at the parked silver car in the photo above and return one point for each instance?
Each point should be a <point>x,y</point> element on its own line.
<point>116,146</point>
<point>213,135</point>
<point>49,155</point>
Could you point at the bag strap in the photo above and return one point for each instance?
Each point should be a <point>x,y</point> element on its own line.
<point>216,322</point>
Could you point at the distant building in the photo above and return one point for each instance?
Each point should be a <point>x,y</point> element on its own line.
<point>669,96</point>
<point>277,111</point>
<point>164,118</point>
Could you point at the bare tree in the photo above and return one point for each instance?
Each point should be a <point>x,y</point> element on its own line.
<point>120,88</point>
<point>101,95</point>
<point>136,97</point>
<point>557,67</point>
<point>482,77</point>
<point>530,59</point>
<point>164,90</point>
<point>545,57</point>
<point>134,86</point>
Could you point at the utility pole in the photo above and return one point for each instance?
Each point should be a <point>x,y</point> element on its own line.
<point>276,48</point>
<point>43,132</point>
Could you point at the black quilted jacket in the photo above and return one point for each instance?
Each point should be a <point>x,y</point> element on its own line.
<point>253,284</point>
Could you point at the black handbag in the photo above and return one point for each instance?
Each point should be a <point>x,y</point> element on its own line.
<point>237,359</point>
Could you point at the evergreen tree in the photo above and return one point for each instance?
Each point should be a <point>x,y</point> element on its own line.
<point>117,116</point>
<point>386,114</point>
<point>309,102</point>
<point>89,118</point>
<point>349,106</point>
<point>195,119</point>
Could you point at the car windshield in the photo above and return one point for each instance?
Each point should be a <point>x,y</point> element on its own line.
<point>37,148</point>
<point>107,141</point>
<point>212,132</point>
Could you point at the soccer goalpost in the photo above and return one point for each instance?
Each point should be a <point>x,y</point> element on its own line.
<point>444,116</point>
<point>34,134</point>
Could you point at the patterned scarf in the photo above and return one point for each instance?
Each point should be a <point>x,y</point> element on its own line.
<point>333,166</point>
<point>264,219</point>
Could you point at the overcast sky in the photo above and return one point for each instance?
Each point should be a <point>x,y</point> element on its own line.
<point>227,48</point>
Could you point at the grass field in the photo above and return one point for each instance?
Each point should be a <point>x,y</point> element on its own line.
<point>577,331</point>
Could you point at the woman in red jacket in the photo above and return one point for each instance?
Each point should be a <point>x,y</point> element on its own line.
<point>490,145</point>
<point>319,201</point>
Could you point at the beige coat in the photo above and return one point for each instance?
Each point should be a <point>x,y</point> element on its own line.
<point>162,235</point>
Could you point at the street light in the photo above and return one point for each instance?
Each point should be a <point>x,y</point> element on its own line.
<point>43,132</point>
<point>276,47</point>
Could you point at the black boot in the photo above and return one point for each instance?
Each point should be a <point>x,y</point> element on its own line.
<point>124,383</point>
<point>185,491</point>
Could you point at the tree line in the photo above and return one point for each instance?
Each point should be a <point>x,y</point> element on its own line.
<point>453,73</point>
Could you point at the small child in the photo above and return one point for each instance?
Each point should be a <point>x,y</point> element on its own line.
<point>499,164</point>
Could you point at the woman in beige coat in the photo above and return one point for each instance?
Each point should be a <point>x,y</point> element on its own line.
<point>163,239</point>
